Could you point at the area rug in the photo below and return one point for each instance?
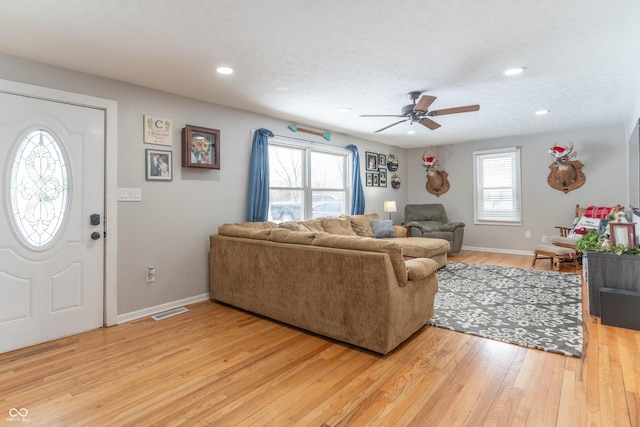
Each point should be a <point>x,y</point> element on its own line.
<point>531,308</point>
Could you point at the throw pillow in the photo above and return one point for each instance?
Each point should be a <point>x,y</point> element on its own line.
<point>382,228</point>
<point>596,212</point>
<point>584,225</point>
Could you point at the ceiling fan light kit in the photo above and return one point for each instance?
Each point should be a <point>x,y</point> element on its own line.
<point>419,111</point>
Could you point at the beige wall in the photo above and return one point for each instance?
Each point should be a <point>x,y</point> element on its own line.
<point>602,151</point>
<point>169,229</point>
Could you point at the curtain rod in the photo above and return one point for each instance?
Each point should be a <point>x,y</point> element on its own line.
<point>307,140</point>
<point>252,131</point>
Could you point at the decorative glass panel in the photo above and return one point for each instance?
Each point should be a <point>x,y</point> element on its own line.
<point>39,189</point>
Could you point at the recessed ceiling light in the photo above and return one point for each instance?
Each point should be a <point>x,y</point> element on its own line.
<point>344,110</point>
<point>542,112</point>
<point>224,70</point>
<point>411,132</point>
<point>514,71</point>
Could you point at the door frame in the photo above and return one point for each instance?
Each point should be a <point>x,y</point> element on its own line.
<point>110,108</point>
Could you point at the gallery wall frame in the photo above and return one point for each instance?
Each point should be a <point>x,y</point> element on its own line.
<point>200,147</point>
<point>158,165</point>
<point>372,161</point>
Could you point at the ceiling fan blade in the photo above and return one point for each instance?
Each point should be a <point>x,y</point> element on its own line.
<point>454,110</point>
<point>378,115</point>
<point>429,123</point>
<point>424,103</point>
<point>387,127</point>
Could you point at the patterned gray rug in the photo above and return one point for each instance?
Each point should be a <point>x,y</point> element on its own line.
<point>531,308</point>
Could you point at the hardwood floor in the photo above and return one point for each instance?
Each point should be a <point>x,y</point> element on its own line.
<point>216,365</point>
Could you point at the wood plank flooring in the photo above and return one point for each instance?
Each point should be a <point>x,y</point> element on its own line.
<point>219,366</point>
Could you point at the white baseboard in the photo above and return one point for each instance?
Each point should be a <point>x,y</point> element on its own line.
<point>499,251</point>
<point>150,311</point>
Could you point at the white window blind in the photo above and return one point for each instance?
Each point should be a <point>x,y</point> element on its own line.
<point>497,186</point>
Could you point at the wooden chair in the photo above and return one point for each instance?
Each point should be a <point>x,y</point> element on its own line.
<point>566,241</point>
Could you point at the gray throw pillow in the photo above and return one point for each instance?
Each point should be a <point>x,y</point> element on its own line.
<point>382,228</point>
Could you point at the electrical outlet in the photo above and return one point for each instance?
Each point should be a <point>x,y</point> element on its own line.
<point>544,239</point>
<point>151,274</point>
<point>527,234</point>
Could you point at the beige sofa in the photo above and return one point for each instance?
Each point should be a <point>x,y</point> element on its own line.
<point>333,282</point>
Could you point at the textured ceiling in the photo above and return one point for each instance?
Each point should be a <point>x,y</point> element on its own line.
<point>301,60</point>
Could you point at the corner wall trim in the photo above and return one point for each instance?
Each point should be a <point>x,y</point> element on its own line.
<point>150,311</point>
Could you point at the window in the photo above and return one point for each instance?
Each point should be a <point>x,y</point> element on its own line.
<point>497,186</point>
<point>306,182</point>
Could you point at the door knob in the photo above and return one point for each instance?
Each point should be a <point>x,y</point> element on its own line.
<point>95,235</point>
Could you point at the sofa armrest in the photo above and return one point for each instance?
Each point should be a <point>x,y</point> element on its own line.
<point>416,225</point>
<point>451,226</point>
<point>420,268</point>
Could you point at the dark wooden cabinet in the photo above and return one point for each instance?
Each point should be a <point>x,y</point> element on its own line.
<point>613,272</point>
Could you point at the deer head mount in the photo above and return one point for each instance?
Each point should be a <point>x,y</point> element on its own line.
<point>565,174</point>
<point>437,180</point>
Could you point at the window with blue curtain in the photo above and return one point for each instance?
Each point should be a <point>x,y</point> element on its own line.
<point>307,180</point>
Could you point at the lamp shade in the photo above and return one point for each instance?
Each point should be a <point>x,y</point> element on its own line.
<point>390,206</point>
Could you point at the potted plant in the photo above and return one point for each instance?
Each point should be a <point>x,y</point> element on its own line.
<point>593,242</point>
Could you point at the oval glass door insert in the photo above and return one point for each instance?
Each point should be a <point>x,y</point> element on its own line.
<point>39,189</point>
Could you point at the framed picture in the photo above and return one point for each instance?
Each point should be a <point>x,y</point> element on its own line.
<point>157,130</point>
<point>372,161</point>
<point>158,165</point>
<point>382,160</point>
<point>623,234</point>
<point>200,147</point>
<point>369,179</point>
<point>383,177</point>
<point>376,182</point>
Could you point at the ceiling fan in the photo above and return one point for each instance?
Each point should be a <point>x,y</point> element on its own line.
<point>419,111</point>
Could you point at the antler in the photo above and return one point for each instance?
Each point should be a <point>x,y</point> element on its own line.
<point>569,148</point>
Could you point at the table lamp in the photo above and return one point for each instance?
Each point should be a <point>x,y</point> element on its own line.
<point>390,206</point>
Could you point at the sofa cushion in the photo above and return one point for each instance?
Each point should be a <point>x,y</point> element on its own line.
<point>264,225</point>
<point>399,231</point>
<point>382,228</point>
<point>341,226</point>
<point>241,230</point>
<point>311,224</point>
<point>361,224</point>
<point>283,235</point>
<point>292,226</point>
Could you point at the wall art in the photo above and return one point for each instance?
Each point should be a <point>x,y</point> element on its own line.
<point>200,147</point>
<point>157,131</point>
<point>158,165</point>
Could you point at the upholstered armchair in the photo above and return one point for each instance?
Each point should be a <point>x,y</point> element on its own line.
<point>432,221</point>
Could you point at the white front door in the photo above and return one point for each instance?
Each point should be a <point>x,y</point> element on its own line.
<point>51,249</point>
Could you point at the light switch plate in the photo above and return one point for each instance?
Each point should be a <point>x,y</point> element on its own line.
<point>129,194</point>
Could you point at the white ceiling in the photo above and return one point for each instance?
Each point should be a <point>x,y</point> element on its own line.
<point>301,60</point>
